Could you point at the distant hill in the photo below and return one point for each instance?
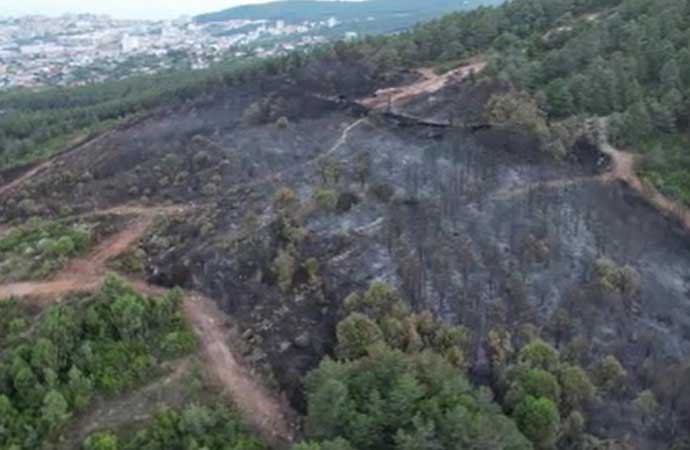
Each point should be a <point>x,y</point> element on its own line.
<point>372,16</point>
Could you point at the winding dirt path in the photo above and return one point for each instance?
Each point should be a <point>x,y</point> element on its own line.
<point>266,413</point>
<point>14,184</point>
<point>623,169</point>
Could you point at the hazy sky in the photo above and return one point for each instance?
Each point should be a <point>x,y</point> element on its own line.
<point>141,9</point>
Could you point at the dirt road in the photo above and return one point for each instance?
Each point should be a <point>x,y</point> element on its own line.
<point>12,185</point>
<point>623,168</point>
<point>429,83</point>
<point>265,412</point>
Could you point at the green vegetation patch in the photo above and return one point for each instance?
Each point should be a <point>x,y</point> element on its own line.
<point>41,248</point>
<point>666,165</point>
<point>194,427</point>
<point>14,320</point>
<point>100,344</point>
<point>396,384</point>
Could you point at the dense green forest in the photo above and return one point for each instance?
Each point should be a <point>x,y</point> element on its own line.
<point>99,345</point>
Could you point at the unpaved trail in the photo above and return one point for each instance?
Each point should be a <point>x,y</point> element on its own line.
<point>269,415</point>
<point>342,140</point>
<point>266,413</point>
<point>512,192</point>
<point>136,406</point>
<point>431,82</point>
<point>82,274</point>
<point>624,169</point>
<point>76,144</point>
<point>278,176</point>
<point>12,185</point>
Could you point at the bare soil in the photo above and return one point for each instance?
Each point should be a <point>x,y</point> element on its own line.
<point>429,83</point>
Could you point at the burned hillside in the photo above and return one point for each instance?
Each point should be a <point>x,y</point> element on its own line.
<point>300,196</point>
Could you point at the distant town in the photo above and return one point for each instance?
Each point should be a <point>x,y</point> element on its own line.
<point>77,49</point>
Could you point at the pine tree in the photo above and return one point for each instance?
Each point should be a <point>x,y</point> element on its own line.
<point>559,99</point>
<point>670,75</point>
<point>684,66</point>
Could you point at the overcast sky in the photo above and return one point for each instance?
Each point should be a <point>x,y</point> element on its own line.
<point>139,9</point>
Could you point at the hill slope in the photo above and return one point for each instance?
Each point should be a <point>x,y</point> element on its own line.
<point>369,16</point>
<point>428,233</point>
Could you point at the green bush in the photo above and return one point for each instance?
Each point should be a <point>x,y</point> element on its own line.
<point>326,199</point>
<point>284,267</point>
<point>101,441</point>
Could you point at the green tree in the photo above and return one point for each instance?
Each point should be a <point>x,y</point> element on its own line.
<point>559,98</point>
<point>356,334</point>
<point>540,355</point>
<point>670,75</point>
<point>519,110</point>
<point>80,388</point>
<point>539,420</point>
<point>420,436</point>
<point>128,315</point>
<point>55,411</point>
<point>611,376</point>
<point>647,405</point>
<point>8,416</point>
<point>44,355</point>
<point>577,389</point>
<point>101,441</point>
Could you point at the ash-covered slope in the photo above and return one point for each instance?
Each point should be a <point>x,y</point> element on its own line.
<point>303,196</point>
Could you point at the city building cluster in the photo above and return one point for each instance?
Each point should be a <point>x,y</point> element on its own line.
<point>77,49</point>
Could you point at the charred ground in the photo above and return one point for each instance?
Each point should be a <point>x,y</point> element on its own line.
<point>473,223</point>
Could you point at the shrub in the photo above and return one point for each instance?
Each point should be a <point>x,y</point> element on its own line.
<point>326,199</point>
<point>311,265</point>
<point>284,269</point>
<point>101,441</point>
<point>201,159</point>
<point>613,278</point>
<point>285,198</point>
<point>282,123</point>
